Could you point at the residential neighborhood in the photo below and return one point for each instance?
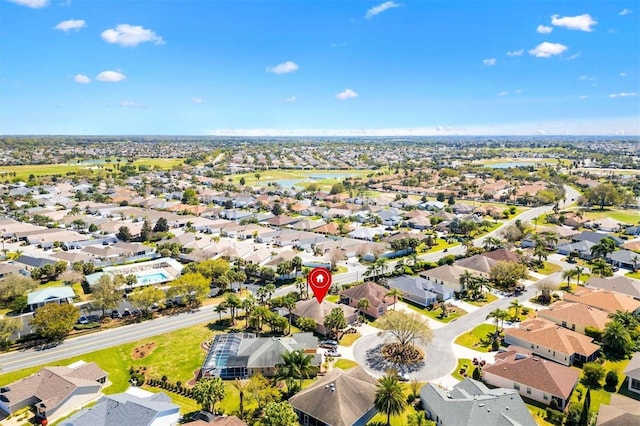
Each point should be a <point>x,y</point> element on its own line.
<point>475,293</point>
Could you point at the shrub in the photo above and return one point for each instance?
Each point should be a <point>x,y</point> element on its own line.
<point>524,310</point>
<point>555,417</point>
<point>592,374</point>
<point>593,332</point>
<point>476,374</point>
<point>612,379</point>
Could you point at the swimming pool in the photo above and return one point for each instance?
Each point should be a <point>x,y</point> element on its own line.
<point>152,278</point>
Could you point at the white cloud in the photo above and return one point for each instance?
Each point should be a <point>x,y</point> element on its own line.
<point>623,95</point>
<point>34,4</point>
<point>130,35</point>
<point>543,29</point>
<point>111,76</point>
<point>547,50</point>
<point>584,97</point>
<point>625,12</point>
<point>291,99</point>
<point>585,77</point>
<point>82,79</point>
<point>197,100</point>
<point>489,62</point>
<point>376,10</point>
<point>515,52</point>
<point>623,74</point>
<point>284,68</point>
<point>71,24</point>
<point>504,93</point>
<point>580,22</point>
<point>347,94</point>
<point>130,104</point>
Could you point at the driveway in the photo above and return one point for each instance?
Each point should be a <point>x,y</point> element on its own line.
<point>440,359</point>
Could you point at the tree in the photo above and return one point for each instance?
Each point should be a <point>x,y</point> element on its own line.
<point>578,270</point>
<point>289,304</point>
<point>8,326</point>
<point>145,298</point>
<point>506,274</point>
<point>208,392</point>
<point>612,379</point>
<point>516,305</point>
<point>297,365</point>
<point>306,324</point>
<point>14,285</point>
<point>395,293</point>
<point>279,414</point>
<point>616,338</point>
<point>363,305</point>
<point>192,287</point>
<point>498,315</point>
<point>592,374</point>
<point>567,275</point>
<point>55,321</point>
<point>406,327</point>
<point>600,268</point>
<point>220,309</point>
<point>233,302</point>
<point>161,225</point>
<point>604,194</point>
<point>124,234</point>
<point>242,386</point>
<point>145,232</point>
<point>106,294</point>
<point>584,414</point>
<point>335,321</point>
<point>262,391</point>
<point>419,418</point>
<point>465,279</point>
<point>389,398</point>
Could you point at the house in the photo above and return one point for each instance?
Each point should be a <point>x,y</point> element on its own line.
<point>368,234</point>
<point>448,275</point>
<point>422,291</point>
<point>575,316</point>
<point>137,406</point>
<point>503,255</point>
<point>548,340</point>
<point>37,299</point>
<point>340,398</point>
<point>374,293</point>
<point>53,391</point>
<point>633,374</point>
<point>596,237</point>
<point>617,284</point>
<point>241,355</point>
<point>8,268</point>
<point>612,415</point>
<point>605,300</point>
<point>31,262</point>
<point>580,248</point>
<point>472,403</point>
<point>624,259</point>
<point>318,311</point>
<point>204,418</point>
<point>543,381</point>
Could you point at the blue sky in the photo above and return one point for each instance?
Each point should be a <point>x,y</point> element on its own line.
<point>302,67</point>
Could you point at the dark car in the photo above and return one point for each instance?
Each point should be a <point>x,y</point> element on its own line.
<point>126,313</point>
<point>116,314</point>
<point>94,318</point>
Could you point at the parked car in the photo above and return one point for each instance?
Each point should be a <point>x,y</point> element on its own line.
<point>403,377</point>
<point>83,320</point>
<point>136,312</point>
<point>328,344</point>
<point>126,312</point>
<point>93,318</point>
<point>333,353</point>
<point>115,314</point>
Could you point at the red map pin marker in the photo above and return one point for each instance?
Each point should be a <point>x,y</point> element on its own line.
<point>319,279</point>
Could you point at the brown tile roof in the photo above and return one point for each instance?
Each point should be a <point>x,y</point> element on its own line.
<point>547,376</point>
<point>602,299</point>
<point>503,254</point>
<point>318,311</point>
<point>618,284</point>
<point>374,293</point>
<point>575,313</point>
<point>545,333</point>
<point>338,399</point>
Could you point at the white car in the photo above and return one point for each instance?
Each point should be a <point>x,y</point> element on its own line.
<point>333,353</point>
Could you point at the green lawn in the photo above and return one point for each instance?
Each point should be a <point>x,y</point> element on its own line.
<point>344,364</point>
<point>340,270</point>
<point>332,298</point>
<point>454,313</point>
<point>176,355</point>
<point>635,275</point>
<point>549,268</point>
<point>602,395</point>
<point>463,363</point>
<point>474,338</point>
<point>349,339</point>
<point>486,299</point>
<point>631,217</point>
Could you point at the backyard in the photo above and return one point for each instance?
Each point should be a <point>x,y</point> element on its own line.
<point>476,338</point>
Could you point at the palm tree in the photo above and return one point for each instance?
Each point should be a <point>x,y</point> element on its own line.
<point>242,386</point>
<point>220,309</point>
<point>233,303</point>
<point>498,315</point>
<point>207,392</point>
<point>617,338</point>
<point>600,268</point>
<point>247,306</point>
<point>567,275</point>
<point>465,279</point>
<point>380,265</point>
<point>419,418</point>
<point>363,305</point>
<point>395,293</point>
<point>296,364</point>
<point>289,304</point>
<point>389,398</point>
<point>516,305</point>
<point>578,271</point>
